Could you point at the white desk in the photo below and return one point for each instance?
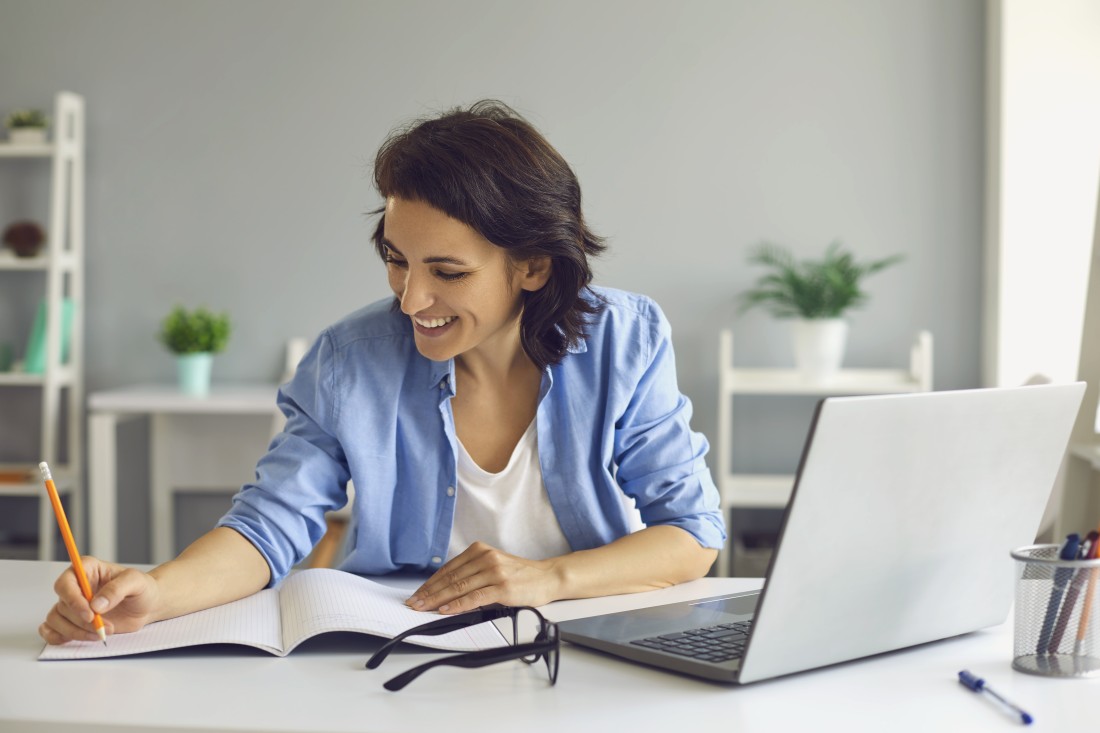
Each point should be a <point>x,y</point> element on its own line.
<point>229,428</point>
<point>322,686</point>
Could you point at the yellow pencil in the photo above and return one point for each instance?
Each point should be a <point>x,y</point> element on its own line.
<point>1083,623</point>
<point>70,545</point>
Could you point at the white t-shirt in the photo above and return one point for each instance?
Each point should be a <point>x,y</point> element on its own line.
<point>509,510</point>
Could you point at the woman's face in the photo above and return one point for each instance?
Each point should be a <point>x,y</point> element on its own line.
<point>461,292</point>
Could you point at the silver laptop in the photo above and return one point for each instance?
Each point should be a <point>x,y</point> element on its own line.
<point>898,532</point>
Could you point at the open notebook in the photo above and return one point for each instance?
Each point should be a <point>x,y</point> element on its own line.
<point>306,604</point>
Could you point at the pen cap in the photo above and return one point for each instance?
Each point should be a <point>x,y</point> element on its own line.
<point>1057,613</point>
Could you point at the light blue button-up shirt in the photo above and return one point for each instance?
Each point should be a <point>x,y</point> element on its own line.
<point>365,406</point>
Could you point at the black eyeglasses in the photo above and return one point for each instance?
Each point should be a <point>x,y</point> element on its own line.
<point>546,644</point>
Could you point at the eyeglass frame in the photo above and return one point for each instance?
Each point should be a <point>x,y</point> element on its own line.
<point>547,644</point>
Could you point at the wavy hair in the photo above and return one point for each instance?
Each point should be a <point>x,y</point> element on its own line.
<point>490,169</point>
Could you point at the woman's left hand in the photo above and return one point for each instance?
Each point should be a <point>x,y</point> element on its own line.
<point>482,575</point>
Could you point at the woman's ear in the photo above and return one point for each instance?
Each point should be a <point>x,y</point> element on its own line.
<point>536,272</point>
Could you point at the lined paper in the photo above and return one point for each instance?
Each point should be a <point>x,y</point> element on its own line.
<point>307,604</point>
<point>326,600</point>
<point>251,621</point>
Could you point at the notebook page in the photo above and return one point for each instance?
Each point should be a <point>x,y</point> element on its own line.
<point>321,600</point>
<point>252,621</point>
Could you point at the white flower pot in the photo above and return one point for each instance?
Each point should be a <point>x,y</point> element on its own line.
<point>27,135</point>
<point>194,373</point>
<point>819,347</point>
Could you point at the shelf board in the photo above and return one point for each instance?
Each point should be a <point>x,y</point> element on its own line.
<point>31,484</point>
<point>844,382</point>
<point>8,261</point>
<point>23,379</point>
<point>39,150</point>
<point>760,491</point>
<point>40,262</point>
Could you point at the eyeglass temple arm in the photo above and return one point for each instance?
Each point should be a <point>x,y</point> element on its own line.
<point>470,660</point>
<point>435,628</point>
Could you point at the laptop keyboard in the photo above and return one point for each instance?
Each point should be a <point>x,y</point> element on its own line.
<point>719,643</point>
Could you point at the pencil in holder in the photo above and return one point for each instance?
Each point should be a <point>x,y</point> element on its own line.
<point>1057,632</point>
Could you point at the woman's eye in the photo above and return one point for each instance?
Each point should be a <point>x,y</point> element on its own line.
<point>450,276</point>
<point>391,260</point>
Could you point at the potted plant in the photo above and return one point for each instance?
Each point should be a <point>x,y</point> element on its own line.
<point>194,337</point>
<point>27,126</point>
<point>816,294</point>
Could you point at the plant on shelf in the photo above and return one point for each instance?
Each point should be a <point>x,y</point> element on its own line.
<point>26,118</point>
<point>194,336</point>
<point>810,289</point>
<point>817,294</point>
<point>27,126</point>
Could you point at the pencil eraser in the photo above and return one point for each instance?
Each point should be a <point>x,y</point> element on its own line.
<point>45,471</point>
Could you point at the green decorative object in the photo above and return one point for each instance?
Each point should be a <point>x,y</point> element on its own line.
<point>193,371</point>
<point>35,360</point>
<point>810,289</point>
<point>24,118</point>
<point>190,332</point>
<point>194,336</point>
<point>27,126</point>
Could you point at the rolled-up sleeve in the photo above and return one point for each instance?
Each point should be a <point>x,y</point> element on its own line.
<point>304,473</point>
<point>661,461</point>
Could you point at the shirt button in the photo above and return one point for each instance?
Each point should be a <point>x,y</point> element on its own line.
<point>450,491</point>
<point>436,560</point>
<point>443,383</point>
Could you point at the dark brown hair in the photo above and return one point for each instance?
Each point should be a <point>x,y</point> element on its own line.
<point>490,169</point>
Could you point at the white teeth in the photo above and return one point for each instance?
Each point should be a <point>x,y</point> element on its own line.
<point>433,322</point>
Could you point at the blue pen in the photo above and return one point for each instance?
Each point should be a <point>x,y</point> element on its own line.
<point>976,684</point>
<point>1072,591</point>
<point>1061,578</point>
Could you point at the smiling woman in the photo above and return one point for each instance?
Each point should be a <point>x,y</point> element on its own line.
<point>513,432</point>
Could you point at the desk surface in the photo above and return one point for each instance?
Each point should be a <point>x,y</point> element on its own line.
<point>153,398</point>
<point>322,686</point>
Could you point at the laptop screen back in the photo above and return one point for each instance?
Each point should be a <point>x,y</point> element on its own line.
<point>902,519</point>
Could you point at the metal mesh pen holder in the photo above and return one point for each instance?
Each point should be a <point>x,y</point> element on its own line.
<point>1057,614</point>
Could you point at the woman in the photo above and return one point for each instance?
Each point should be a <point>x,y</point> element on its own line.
<point>493,415</point>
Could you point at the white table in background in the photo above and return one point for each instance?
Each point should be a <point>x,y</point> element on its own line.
<point>195,443</point>
<point>322,685</point>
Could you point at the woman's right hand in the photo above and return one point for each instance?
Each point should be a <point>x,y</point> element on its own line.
<point>124,597</point>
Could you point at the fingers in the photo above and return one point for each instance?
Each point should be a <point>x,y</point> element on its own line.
<point>71,598</point>
<point>126,584</point>
<point>483,575</point>
<point>453,580</point>
<point>121,598</point>
<point>59,627</point>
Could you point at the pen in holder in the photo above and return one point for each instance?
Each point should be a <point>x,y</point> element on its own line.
<point>1057,613</point>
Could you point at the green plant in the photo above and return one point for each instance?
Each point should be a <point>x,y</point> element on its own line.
<point>190,332</point>
<point>809,289</point>
<point>26,118</point>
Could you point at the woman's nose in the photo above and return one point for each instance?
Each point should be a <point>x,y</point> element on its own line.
<point>416,295</point>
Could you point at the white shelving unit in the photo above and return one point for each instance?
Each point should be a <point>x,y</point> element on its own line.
<point>61,264</point>
<point>762,491</point>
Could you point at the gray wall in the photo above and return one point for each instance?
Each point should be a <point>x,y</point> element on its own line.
<point>229,146</point>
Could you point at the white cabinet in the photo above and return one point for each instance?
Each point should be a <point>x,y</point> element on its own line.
<point>742,490</point>
<point>60,268</point>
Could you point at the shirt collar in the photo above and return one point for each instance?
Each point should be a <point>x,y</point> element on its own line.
<point>441,374</point>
